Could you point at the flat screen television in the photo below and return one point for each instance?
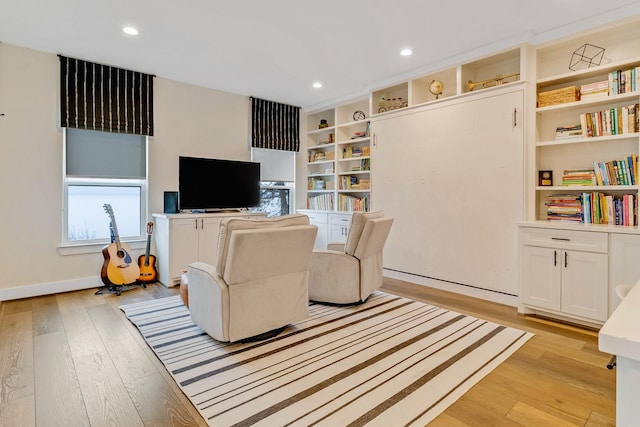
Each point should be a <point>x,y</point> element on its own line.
<point>216,184</point>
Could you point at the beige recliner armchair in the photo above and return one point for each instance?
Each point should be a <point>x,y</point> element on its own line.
<point>348,273</point>
<point>260,281</point>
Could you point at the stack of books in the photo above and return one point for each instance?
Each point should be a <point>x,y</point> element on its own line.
<point>566,132</point>
<point>564,207</point>
<point>594,89</point>
<point>579,177</point>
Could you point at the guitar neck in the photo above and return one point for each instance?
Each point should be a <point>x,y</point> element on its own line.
<point>148,250</point>
<point>116,237</point>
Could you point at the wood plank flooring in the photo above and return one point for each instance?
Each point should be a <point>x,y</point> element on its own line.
<point>73,359</point>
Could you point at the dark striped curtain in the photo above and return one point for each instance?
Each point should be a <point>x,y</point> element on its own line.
<point>275,126</point>
<point>105,98</point>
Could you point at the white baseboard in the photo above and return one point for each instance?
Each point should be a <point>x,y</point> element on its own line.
<point>39,289</point>
<point>471,291</point>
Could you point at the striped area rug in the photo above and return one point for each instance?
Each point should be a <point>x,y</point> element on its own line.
<point>388,362</point>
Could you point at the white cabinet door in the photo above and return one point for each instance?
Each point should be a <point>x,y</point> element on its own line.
<point>183,245</point>
<point>451,175</point>
<point>540,274</point>
<point>338,233</point>
<point>208,239</point>
<point>584,284</point>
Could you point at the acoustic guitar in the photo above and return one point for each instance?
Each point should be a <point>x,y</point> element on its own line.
<point>147,262</point>
<point>118,267</point>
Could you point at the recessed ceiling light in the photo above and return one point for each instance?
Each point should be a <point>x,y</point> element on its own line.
<point>317,85</point>
<point>130,30</point>
<point>406,52</point>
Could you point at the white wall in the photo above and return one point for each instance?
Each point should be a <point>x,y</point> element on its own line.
<point>189,120</point>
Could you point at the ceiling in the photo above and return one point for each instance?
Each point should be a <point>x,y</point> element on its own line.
<point>276,49</point>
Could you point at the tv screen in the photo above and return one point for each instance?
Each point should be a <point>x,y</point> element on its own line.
<point>215,184</point>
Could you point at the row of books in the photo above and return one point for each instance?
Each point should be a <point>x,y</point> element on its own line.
<point>614,121</point>
<point>617,82</point>
<point>592,208</point>
<point>624,81</point>
<point>321,202</point>
<point>599,208</point>
<point>614,172</point>
<point>617,172</point>
<point>349,203</point>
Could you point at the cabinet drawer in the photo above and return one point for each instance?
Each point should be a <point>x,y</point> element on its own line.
<point>565,239</point>
<point>316,217</point>
<point>339,219</point>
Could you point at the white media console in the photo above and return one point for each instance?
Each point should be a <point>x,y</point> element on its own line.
<point>184,238</point>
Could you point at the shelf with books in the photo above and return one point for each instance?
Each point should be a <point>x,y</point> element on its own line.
<point>591,207</point>
<point>588,120</point>
<point>337,152</point>
<point>591,139</point>
<point>350,202</point>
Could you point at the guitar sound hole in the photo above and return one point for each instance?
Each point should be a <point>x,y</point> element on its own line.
<point>120,254</point>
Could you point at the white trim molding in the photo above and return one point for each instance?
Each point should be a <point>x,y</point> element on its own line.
<point>40,289</point>
<point>471,291</point>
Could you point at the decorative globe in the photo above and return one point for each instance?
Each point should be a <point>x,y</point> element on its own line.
<point>436,87</point>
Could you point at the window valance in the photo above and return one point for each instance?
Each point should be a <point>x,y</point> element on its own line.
<point>101,97</point>
<point>274,125</point>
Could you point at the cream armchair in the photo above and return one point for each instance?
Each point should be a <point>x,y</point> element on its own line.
<point>348,273</point>
<point>260,281</point>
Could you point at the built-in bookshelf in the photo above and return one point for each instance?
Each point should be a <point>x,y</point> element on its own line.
<point>339,158</point>
<point>587,120</point>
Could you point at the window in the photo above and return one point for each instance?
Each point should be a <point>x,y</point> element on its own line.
<point>277,180</point>
<point>276,198</point>
<point>103,167</point>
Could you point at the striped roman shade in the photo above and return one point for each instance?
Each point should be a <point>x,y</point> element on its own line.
<point>105,98</point>
<point>274,126</point>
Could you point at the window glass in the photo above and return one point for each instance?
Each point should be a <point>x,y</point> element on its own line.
<point>87,219</point>
<point>275,198</point>
<point>101,168</point>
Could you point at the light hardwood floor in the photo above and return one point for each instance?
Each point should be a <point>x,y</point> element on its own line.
<point>73,359</point>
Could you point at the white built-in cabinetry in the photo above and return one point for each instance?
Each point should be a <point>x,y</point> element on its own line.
<point>565,272</point>
<point>570,270</point>
<point>185,238</point>
<point>333,227</point>
<point>339,158</point>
